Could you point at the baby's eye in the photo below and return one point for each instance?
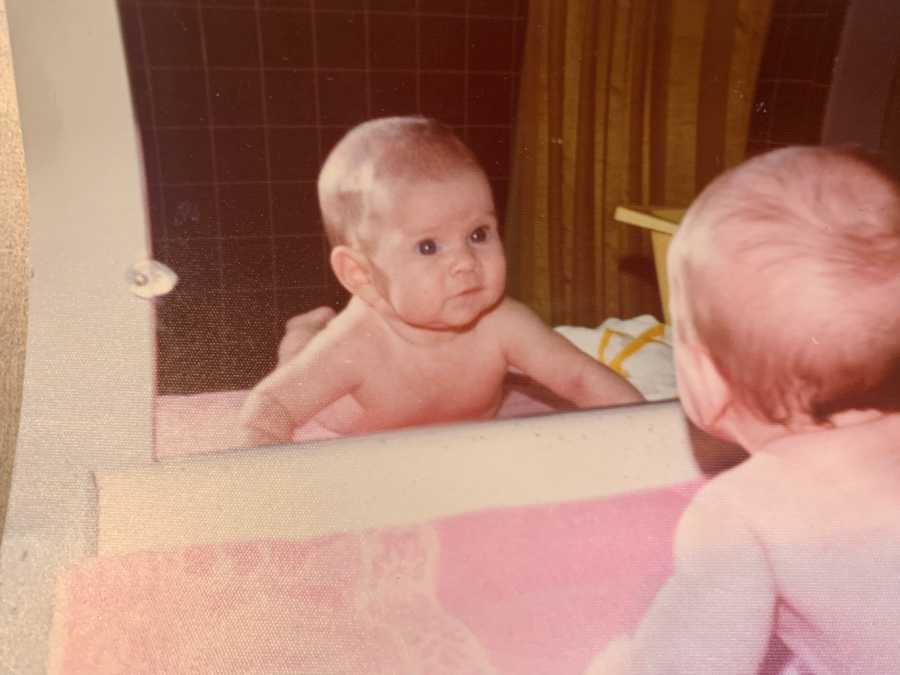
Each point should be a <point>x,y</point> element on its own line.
<point>479,234</point>
<point>427,247</point>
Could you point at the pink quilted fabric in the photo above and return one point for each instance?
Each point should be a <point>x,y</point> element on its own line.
<point>516,591</point>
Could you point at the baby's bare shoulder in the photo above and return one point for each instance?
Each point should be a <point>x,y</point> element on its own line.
<point>357,330</point>
<point>508,307</point>
<point>518,327</point>
<point>350,332</point>
<point>765,492</point>
<point>510,315</point>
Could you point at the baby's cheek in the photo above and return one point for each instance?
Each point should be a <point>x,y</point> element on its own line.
<point>418,300</point>
<point>495,266</point>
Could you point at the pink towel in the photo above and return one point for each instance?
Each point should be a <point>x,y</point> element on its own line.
<point>524,591</point>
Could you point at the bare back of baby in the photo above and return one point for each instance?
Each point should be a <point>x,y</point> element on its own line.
<point>824,506</point>
<point>801,541</point>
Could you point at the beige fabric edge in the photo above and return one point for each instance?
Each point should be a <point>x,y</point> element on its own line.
<point>391,479</point>
<point>13,264</point>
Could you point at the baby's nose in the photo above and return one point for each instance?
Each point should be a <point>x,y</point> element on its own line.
<point>463,261</point>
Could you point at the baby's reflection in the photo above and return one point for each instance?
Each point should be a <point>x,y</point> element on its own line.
<point>428,335</point>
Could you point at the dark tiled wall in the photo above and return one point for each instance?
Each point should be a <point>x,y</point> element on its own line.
<point>795,74</point>
<point>890,141</point>
<point>239,101</point>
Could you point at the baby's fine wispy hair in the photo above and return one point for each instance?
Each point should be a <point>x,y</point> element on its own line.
<point>377,155</point>
<point>786,270</point>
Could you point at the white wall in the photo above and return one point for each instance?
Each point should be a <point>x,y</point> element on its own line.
<point>88,381</point>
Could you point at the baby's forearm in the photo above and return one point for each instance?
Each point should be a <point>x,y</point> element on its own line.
<point>600,386</point>
<point>265,420</point>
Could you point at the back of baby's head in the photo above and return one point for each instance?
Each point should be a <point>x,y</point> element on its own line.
<point>787,271</point>
<point>377,155</point>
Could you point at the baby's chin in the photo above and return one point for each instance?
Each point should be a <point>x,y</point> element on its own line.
<point>456,313</point>
<point>453,320</point>
<point>465,314</point>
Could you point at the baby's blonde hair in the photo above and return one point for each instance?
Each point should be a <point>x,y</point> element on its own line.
<point>378,154</point>
<point>787,271</point>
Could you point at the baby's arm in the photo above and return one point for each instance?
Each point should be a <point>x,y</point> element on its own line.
<point>714,615</point>
<point>551,360</point>
<point>296,391</point>
<point>300,329</point>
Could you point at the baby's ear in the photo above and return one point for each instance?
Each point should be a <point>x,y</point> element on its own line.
<point>352,269</point>
<point>704,392</point>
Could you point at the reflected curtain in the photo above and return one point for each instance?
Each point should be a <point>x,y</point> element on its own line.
<point>621,102</point>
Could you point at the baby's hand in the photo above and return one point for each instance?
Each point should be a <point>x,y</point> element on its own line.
<point>249,437</point>
<point>263,420</point>
<point>614,660</point>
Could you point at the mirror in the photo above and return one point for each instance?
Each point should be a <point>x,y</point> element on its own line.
<point>238,103</point>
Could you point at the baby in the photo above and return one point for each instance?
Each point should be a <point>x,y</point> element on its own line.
<point>785,278</point>
<point>428,335</point>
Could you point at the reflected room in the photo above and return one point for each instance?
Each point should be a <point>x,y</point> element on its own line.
<point>596,127</point>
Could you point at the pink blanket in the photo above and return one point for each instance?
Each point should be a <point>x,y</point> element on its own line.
<point>200,423</point>
<point>525,590</point>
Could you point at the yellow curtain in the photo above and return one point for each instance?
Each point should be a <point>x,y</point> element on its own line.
<point>621,102</point>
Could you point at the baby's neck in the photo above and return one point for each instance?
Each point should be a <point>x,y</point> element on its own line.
<point>422,337</point>
<point>414,335</point>
<point>848,423</point>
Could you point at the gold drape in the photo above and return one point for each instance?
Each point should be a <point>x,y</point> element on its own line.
<point>621,101</point>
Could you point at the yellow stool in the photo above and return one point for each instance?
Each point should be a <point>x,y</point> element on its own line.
<point>662,223</point>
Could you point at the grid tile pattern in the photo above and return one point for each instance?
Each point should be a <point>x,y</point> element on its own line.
<point>239,101</point>
<point>795,73</point>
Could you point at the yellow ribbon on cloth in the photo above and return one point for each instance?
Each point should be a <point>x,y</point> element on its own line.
<point>632,346</point>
